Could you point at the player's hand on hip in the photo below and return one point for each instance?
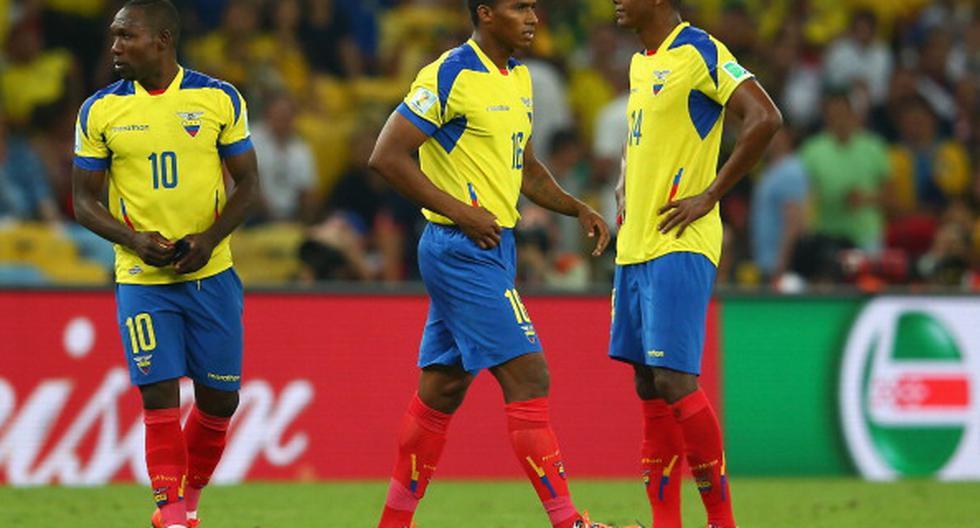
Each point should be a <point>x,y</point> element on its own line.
<point>195,253</point>
<point>153,248</point>
<point>480,225</point>
<point>595,226</point>
<point>682,213</point>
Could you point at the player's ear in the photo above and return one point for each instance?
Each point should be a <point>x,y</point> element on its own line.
<point>484,13</point>
<point>166,38</point>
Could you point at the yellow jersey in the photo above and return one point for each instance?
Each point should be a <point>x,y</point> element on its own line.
<point>478,119</point>
<point>676,111</point>
<point>162,153</point>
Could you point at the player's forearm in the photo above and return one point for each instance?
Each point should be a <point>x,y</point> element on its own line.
<point>93,215</point>
<point>757,131</point>
<point>237,209</point>
<point>402,173</point>
<point>541,188</point>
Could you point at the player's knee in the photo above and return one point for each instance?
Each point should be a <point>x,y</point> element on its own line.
<point>223,404</point>
<point>529,387</point>
<point>672,385</point>
<point>644,382</point>
<point>449,396</point>
<point>162,395</point>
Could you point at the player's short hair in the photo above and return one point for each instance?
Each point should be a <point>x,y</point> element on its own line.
<point>161,13</point>
<point>473,5</point>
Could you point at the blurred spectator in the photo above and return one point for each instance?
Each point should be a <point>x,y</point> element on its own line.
<point>35,81</point>
<point>551,110</point>
<point>885,119</point>
<point>335,250</point>
<point>966,128</point>
<point>286,164</point>
<point>933,84</point>
<point>390,222</point>
<point>947,261</point>
<point>24,190</point>
<point>233,51</point>
<point>793,76</point>
<point>778,208</point>
<point>326,36</point>
<point>609,138</point>
<point>927,172</point>
<point>860,57</point>
<point>413,33</point>
<point>599,74</point>
<point>848,170</point>
<point>569,166</point>
<point>78,25</point>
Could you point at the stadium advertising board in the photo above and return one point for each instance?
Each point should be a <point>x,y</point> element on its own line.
<point>908,388</point>
<point>326,381</point>
<point>885,388</point>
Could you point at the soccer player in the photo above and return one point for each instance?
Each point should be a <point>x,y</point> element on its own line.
<point>670,241</point>
<point>470,114</point>
<point>158,137</point>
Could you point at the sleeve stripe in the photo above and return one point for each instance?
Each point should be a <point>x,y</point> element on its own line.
<point>236,101</point>
<point>236,148</point>
<point>423,124</point>
<point>91,164</point>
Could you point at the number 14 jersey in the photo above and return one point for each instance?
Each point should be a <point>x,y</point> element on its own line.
<point>676,110</point>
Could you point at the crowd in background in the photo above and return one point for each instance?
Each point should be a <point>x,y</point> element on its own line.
<point>874,181</point>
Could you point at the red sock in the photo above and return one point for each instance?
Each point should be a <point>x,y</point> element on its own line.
<point>661,459</point>
<point>166,461</point>
<point>706,456</point>
<point>537,451</point>
<point>205,437</point>
<point>420,443</point>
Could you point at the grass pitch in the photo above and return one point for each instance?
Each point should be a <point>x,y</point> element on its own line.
<point>759,503</point>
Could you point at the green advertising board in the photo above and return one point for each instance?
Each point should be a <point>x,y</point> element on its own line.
<point>780,367</point>
<point>883,387</point>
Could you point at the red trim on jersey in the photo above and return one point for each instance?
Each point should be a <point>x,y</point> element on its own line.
<point>504,71</point>
<point>649,53</point>
<point>156,92</point>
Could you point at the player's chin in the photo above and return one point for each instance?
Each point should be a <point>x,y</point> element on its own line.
<point>524,40</point>
<point>124,72</point>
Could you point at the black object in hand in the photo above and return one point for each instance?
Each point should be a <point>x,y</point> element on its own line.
<point>181,247</point>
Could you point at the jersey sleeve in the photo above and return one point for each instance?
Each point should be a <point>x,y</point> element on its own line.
<point>235,137</point>
<point>91,152</point>
<point>422,105</point>
<point>731,74</point>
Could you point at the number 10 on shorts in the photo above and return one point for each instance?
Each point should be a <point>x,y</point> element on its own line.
<point>142,338</point>
<point>520,312</point>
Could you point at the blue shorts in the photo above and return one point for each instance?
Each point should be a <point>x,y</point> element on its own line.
<point>659,311</point>
<point>191,328</point>
<point>476,317</point>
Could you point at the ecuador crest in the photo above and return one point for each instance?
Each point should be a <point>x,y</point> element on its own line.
<point>191,121</point>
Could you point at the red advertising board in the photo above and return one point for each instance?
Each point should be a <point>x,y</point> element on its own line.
<point>326,380</point>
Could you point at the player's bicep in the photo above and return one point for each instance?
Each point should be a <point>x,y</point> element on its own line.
<point>234,138</point>
<point>730,75</point>
<point>91,151</point>
<point>400,136</point>
<point>425,106</point>
<point>243,166</point>
<point>87,185</point>
<point>750,100</point>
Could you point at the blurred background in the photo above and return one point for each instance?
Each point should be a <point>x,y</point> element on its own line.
<point>874,183</point>
<point>866,208</point>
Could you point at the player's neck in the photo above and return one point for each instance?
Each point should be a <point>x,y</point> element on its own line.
<point>495,51</point>
<point>161,78</point>
<point>653,34</point>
